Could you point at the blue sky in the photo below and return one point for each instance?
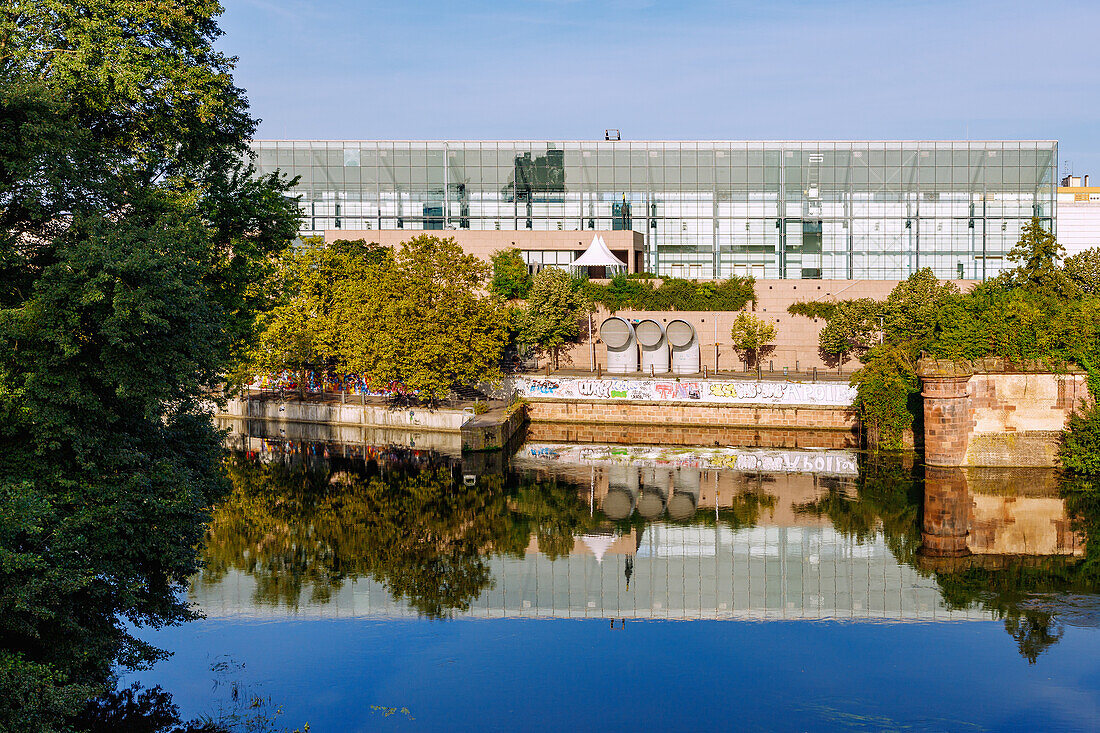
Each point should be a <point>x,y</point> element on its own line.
<point>778,69</point>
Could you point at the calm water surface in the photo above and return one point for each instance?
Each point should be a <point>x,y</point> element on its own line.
<point>626,588</point>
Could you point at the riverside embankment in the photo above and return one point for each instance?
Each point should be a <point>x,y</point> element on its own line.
<point>445,430</point>
<point>690,410</point>
<point>981,413</point>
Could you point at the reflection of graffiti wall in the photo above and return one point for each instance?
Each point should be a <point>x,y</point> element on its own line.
<point>670,390</point>
<point>831,462</point>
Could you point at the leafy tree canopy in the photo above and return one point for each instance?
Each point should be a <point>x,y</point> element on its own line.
<point>751,334</point>
<point>511,278</point>
<point>1083,269</point>
<point>303,331</point>
<point>672,294</point>
<point>1039,310</point>
<point>423,319</point>
<point>550,321</point>
<point>135,241</point>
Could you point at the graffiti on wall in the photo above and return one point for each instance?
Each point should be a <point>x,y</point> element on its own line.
<point>315,381</point>
<point>668,390</point>
<point>746,460</point>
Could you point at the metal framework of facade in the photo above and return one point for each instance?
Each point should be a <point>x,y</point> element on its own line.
<point>834,210</point>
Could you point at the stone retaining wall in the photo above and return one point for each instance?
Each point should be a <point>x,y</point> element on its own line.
<point>992,413</point>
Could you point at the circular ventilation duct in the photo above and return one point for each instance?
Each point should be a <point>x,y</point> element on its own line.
<point>654,346</point>
<point>622,348</point>
<point>685,346</point>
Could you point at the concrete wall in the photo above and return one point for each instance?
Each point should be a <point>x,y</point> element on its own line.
<point>796,344</point>
<point>247,434</point>
<point>493,430</point>
<point>348,414</point>
<point>627,245</point>
<point>688,391</point>
<point>975,416</point>
<point>1078,218</point>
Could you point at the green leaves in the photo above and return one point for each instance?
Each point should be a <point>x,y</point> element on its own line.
<point>672,294</point>
<point>1037,254</point>
<point>424,321</point>
<point>1080,449</point>
<point>853,325</point>
<point>751,334</point>
<point>551,319</point>
<point>511,279</point>
<point>1083,269</point>
<point>419,317</point>
<point>134,245</point>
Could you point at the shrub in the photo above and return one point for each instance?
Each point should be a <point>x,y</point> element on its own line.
<point>1080,449</point>
<point>638,293</point>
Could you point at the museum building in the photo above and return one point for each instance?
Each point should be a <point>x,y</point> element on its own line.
<point>833,210</point>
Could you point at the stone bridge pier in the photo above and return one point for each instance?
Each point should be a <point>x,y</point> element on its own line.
<point>991,412</point>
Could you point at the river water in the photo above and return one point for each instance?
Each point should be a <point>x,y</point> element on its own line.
<point>630,587</point>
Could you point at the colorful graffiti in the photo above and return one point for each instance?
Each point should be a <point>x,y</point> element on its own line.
<point>329,382</point>
<point>827,394</point>
<point>747,460</point>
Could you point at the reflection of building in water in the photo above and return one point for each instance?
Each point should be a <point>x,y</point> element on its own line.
<point>669,572</point>
<point>988,512</point>
<point>683,542</point>
<point>621,491</point>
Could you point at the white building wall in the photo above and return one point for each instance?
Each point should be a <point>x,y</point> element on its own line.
<point>1078,222</point>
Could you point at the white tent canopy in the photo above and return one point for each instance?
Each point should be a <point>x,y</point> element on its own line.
<point>598,255</point>
<point>599,544</point>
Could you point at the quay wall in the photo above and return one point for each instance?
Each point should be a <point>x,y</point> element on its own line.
<point>690,412</point>
<point>446,430</point>
<point>348,414</point>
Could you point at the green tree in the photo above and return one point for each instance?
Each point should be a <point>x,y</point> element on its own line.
<point>304,331</point>
<point>423,320</point>
<point>511,278</point>
<point>134,243</point>
<point>751,335</point>
<point>1037,254</point>
<point>1080,449</point>
<point>853,325</point>
<point>911,310</point>
<point>553,311</point>
<point>1083,269</point>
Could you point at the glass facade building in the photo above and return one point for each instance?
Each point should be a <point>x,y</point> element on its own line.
<point>835,210</point>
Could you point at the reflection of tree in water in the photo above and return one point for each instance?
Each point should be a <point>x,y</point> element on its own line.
<point>743,511</point>
<point>551,511</point>
<point>885,497</point>
<point>1034,595</point>
<point>415,529</point>
<point>888,497</point>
